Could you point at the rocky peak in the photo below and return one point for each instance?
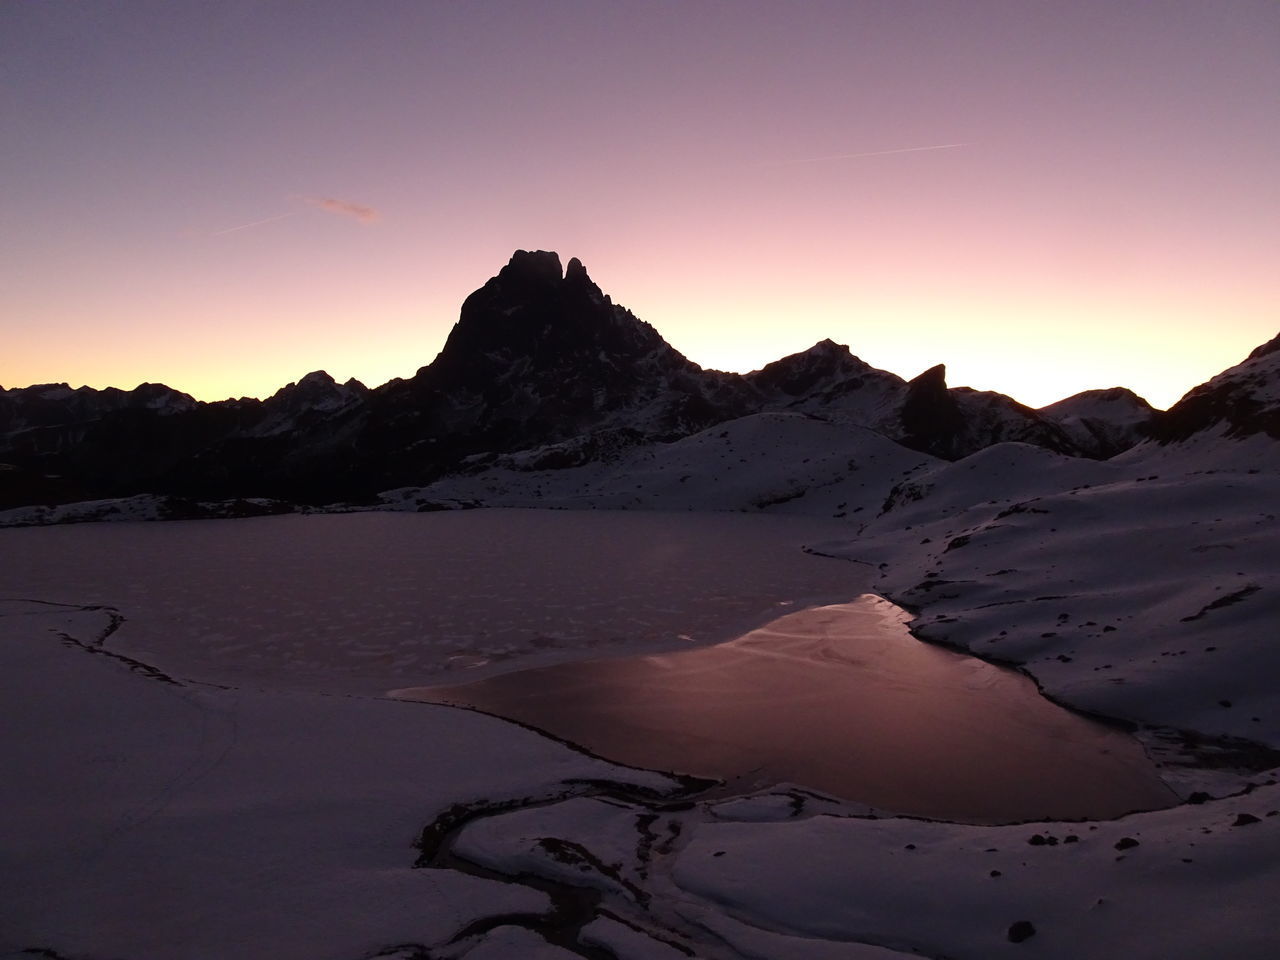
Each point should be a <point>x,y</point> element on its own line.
<point>317,378</point>
<point>801,373</point>
<point>532,318</point>
<point>538,356</point>
<point>317,391</point>
<point>531,269</point>
<point>161,398</point>
<point>1266,349</point>
<point>930,416</point>
<point>932,382</point>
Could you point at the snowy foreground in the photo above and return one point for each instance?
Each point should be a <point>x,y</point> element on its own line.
<point>174,788</point>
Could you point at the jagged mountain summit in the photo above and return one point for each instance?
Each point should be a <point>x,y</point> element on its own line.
<point>540,355</point>
<point>540,361</point>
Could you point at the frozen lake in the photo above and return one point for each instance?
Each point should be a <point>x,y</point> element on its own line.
<point>364,602</point>
<point>840,699</point>
<point>607,629</point>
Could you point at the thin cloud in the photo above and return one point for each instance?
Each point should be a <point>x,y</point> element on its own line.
<point>256,223</point>
<point>344,207</point>
<point>867,153</point>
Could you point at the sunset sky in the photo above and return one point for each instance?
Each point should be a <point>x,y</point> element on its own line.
<point>1046,196</point>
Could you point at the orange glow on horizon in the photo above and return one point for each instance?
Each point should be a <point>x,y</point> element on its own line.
<point>1047,198</point>
<point>987,344</point>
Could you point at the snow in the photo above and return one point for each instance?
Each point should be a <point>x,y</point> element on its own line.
<point>1257,377</point>
<point>773,462</point>
<point>1194,886</point>
<point>1107,420</point>
<point>143,818</point>
<point>220,777</point>
<point>1116,576</point>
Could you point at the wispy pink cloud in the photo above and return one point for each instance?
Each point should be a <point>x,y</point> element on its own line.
<point>344,207</point>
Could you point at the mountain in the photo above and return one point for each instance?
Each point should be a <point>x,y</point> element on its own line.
<point>828,380</point>
<point>540,355</point>
<point>1241,402</point>
<point>36,415</point>
<point>543,364</point>
<point>1107,421</point>
<point>924,414</point>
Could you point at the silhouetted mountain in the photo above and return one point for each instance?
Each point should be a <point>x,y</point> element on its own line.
<point>827,380</point>
<point>540,356</point>
<point>923,414</point>
<point>1242,401</point>
<point>55,406</point>
<point>541,361</point>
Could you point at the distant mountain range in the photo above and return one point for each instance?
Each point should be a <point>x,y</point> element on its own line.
<point>543,365</point>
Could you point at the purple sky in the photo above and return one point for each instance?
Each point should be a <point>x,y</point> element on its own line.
<point>224,196</point>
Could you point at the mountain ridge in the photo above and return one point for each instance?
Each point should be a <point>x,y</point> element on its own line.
<point>542,359</point>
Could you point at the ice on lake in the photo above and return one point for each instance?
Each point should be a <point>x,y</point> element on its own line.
<point>840,699</point>
<point>652,639</point>
<point>364,602</point>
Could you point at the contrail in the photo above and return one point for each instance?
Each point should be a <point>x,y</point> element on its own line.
<point>869,153</point>
<point>256,223</point>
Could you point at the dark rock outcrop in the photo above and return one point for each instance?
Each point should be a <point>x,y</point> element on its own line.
<point>1240,402</point>
<point>931,417</point>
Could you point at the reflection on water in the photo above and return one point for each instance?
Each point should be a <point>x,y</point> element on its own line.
<point>843,700</point>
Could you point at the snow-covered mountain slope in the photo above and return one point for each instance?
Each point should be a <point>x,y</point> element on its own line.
<point>1107,421</point>
<point>776,462</point>
<point>53,405</point>
<point>1138,590</point>
<point>1239,402</point>
<point>828,380</point>
<point>295,407</point>
<point>923,414</point>
<point>50,417</point>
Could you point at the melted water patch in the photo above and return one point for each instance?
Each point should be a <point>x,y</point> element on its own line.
<point>843,700</point>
